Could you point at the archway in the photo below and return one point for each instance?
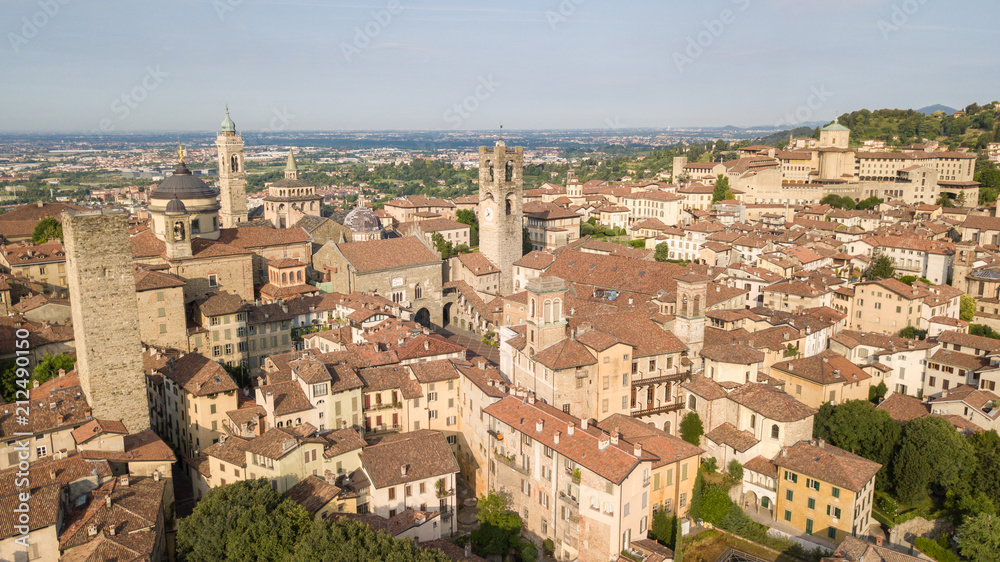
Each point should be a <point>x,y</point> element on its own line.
<point>750,501</point>
<point>447,315</point>
<point>423,318</point>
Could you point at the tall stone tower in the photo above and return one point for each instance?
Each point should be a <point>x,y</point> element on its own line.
<point>232,175</point>
<point>689,317</point>
<point>501,194</point>
<point>546,320</point>
<point>106,316</point>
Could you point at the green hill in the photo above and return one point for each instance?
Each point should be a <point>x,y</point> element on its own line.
<point>900,127</point>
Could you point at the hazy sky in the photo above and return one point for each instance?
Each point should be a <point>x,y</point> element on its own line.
<point>468,64</point>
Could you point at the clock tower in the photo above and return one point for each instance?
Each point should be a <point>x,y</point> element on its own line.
<point>501,193</point>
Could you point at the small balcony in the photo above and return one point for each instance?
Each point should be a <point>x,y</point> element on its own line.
<point>574,474</point>
<point>658,410</point>
<point>384,428</point>
<point>511,461</point>
<point>385,406</point>
<point>660,379</point>
<point>571,500</point>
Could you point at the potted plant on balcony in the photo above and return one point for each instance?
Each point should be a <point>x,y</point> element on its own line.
<point>441,492</point>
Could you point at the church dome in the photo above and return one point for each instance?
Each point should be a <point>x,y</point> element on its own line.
<point>182,185</point>
<point>363,219</point>
<point>176,206</point>
<point>227,124</point>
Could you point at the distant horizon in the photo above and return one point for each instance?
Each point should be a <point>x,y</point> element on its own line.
<point>450,65</point>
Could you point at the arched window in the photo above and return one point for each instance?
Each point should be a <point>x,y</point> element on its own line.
<point>753,421</point>
<point>692,402</point>
<point>490,164</point>
<point>234,164</point>
<point>666,426</point>
<point>697,305</point>
<point>774,431</point>
<point>298,275</point>
<point>284,277</point>
<point>684,305</point>
<point>532,308</point>
<point>509,171</point>
<point>418,292</point>
<point>547,310</point>
<point>557,310</point>
<point>510,206</point>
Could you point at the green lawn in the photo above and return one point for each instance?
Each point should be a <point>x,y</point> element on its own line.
<point>710,545</point>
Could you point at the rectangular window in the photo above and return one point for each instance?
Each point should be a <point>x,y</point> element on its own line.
<point>392,493</point>
<point>788,495</point>
<point>788,515</point>
<point>811,503</point>
<point>812,484</point>
<point>835,492</point>
<point>791,476</point>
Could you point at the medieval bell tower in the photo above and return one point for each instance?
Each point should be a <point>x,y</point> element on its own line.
<point>501,192</point>
<point>232,175</point>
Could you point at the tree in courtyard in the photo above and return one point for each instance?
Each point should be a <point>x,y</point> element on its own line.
<point>662,252</point>
<point>48,367</point>
<point>691,428</point>
<point>246,520</point>
<point>967,308</point>
<point>979,537</point>
<point>881,268</point>
<point>498,526</point>
<point>858,427</point>
<point>526,246</point>
<point>347,540</point>
<point>930,453</point>
<point>722,191</point>
<point>47,229</point>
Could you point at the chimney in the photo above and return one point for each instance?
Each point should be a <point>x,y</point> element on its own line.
<point>784,452</point>
<point>52,474</point>
<point>821,443</point>
<point>584,423</point>
<point>944,393</point>
<point>123,480</point>
<point>468,549</point>
<point>555,438</point>
<point>111,530</point>
<point>92,531</point>
<point>34,383</point>
<point>531,398</point>
<point>62,372</point>
<point>107,500</point>
<point>603,442</point>
<point>614,436</point>
<point>156,476</point>
<point>638,450</point>
<point>539,425</point>
<point>570,429</point>
<point>427,346</point>
<point>402,469</point>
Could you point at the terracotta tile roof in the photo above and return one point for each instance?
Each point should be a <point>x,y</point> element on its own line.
<point>827,463</point>
<point>762,466</point>
<point>615,272</point>
<point>635,328</point>
<point>852,549</point>
<point>274,444</point>
<point>566,354</point>
<point>824,368</point>
<point>147,245</point>
<point>968,340</point>
<point>391,253</point>
<point>452,550</point>
<point>132,509</point>
<point>536,259</point>
<point>146,280</point>
<point>733,353</point>
<point>902,408</point>
<point>390,377</point>
<point>409,518</point>
<point>981,400</point>
<point>95,428</point>
<point>199,375</point>
<point>222,303</point>
<point>666,448</point>
<point>727,434</point>
<point>478,264</point>
<point>312,493</point>
<point>424,454</point>
<point>260,236</point>
<point>434,371</point>
<point>310,369</point>
<point>145,446</point>
<point>288,397</point>
<point>57,404</point>
<point>614,463</point>
<point>232,450</point>
<point>548,211</point>
<point>959,359</point>
<point>341,441</point>
<point>26,253</point>
<point>705,387</point>
<point>771,402</point>
<point>483,377</point>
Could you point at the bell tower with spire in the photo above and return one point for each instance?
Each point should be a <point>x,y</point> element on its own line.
<point>232,175</point>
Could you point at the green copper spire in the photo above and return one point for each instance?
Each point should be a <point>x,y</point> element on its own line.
<point>227,124</point>
<point>291,162</point>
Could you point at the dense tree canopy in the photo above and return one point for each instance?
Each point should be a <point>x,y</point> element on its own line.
<point>881,268</point>
<point>858,427</point>
<point>692,428</point>
<point>979,537</point>
<point>47,229</point>
<point>722,191</point>
<point>930,454</point>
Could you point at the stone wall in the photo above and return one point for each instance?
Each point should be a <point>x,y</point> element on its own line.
<point>105,316</point>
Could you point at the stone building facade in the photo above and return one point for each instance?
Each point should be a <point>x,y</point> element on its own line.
<point>232,175</point>
<point>102,287</point>
<point>501,194</point>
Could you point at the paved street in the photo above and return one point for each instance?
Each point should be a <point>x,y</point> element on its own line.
<point>473,343</point>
